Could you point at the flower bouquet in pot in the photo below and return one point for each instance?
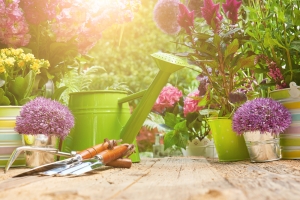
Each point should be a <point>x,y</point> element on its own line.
<point>43,122</point>
<point>185,126</point>
<point>261,121</point>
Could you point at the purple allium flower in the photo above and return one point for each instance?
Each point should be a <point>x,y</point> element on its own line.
<point>261,114</point>
<point>165,16</point>
<point>44,116</point>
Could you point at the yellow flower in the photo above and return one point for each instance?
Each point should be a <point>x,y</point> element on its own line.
<point>28,57</point>
<point>21,63</point>
<point>35,67</point>
<point>10,61</point>
<point>2,69</point>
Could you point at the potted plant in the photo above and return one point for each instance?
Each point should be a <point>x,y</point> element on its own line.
<point>261,121</point>
<point>18,72</point>
<point>42,122</point>
<point>215,44</point>
<point>185,127</point>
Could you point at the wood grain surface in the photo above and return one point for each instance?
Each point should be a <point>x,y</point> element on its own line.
<point>174,178</point>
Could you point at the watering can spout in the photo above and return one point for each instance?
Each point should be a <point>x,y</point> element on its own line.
<point>167,64</point>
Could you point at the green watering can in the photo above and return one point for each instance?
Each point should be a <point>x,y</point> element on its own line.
<point>105,113</point>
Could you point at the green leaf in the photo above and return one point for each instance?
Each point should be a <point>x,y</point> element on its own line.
<point>231,48</point>
<point>170,119</point>
<point>175,138</point>
<point>245,63</point>
<point>295,45</point>
<point>58,92</point>
<point>3,99</point>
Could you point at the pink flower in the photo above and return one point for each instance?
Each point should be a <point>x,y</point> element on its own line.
<point>191,103</point>
<point>167,98</point>
<point>13,26</point>
<point>185,18</point>
<point>210,13</point>
<point>231,8</point>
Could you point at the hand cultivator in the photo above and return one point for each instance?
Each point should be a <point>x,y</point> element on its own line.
<point>107,153</point>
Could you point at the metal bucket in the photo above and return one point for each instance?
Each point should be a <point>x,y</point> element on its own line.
<point>9,139</point>
<point>98,115</point>
<point>262,147</point>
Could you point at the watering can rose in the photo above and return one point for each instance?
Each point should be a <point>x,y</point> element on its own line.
<point>44,116</point>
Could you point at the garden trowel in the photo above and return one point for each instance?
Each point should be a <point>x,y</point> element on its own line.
<point>107,158</point>
<point>75,157</point>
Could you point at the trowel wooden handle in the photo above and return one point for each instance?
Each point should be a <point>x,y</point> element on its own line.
<point>111,155</point>
<point>120,163</point>
<point>92,151</point>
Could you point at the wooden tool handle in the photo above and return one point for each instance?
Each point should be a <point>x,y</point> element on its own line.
<point>120,163</point>
<point>92,151</point>
<point>111,155</point>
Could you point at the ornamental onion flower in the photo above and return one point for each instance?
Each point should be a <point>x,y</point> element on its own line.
<point>168,96</point>
<point>44,116</point>
<point>262,114</point>
<point>165,16</point>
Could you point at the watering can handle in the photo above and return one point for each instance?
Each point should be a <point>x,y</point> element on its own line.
<point>132,97</point>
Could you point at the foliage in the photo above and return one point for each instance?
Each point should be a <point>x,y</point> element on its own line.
<point>273,28</point>
<point>128,61</point>
<point>60,31</point>
<point>216,45</point>
<point>182,117</point>
<point>19,76</point>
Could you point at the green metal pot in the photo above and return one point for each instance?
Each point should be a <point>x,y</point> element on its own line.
<point>229,145</point>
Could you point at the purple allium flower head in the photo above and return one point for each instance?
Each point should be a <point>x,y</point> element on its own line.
<point>261,114</point>
<point>44,116</point>
<point>165,16</point>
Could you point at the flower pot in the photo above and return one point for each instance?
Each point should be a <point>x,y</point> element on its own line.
<point>262,147</point>
<point>205,148</point>
<point>229,145</point>
<point>37,158</point>
<point>289,140</point>
<point>9,139</point>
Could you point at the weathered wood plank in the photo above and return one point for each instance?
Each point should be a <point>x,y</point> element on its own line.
<point>167,178</point>
<point>270,180</point>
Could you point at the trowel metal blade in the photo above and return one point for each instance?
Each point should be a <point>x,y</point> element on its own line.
<point>88,168</point>
<point>49,166</point>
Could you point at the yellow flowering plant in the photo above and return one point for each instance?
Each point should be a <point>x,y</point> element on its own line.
<point>18,74</point>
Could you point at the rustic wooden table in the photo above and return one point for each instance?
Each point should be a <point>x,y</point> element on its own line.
<point>174,178</point>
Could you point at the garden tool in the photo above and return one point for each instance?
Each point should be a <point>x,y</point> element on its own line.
<point>94,163</point>
<point>106,114</point>
<point>77,162</point>
<point>88,153</point>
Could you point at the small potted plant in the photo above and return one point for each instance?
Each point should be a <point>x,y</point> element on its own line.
<point>42,122</point>
<point>261,121</point>
<point>186,127</point>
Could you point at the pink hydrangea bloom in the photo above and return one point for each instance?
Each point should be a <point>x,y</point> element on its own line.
<point>167,98</point>
<point>13,26</point>
<point>191,103</point>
